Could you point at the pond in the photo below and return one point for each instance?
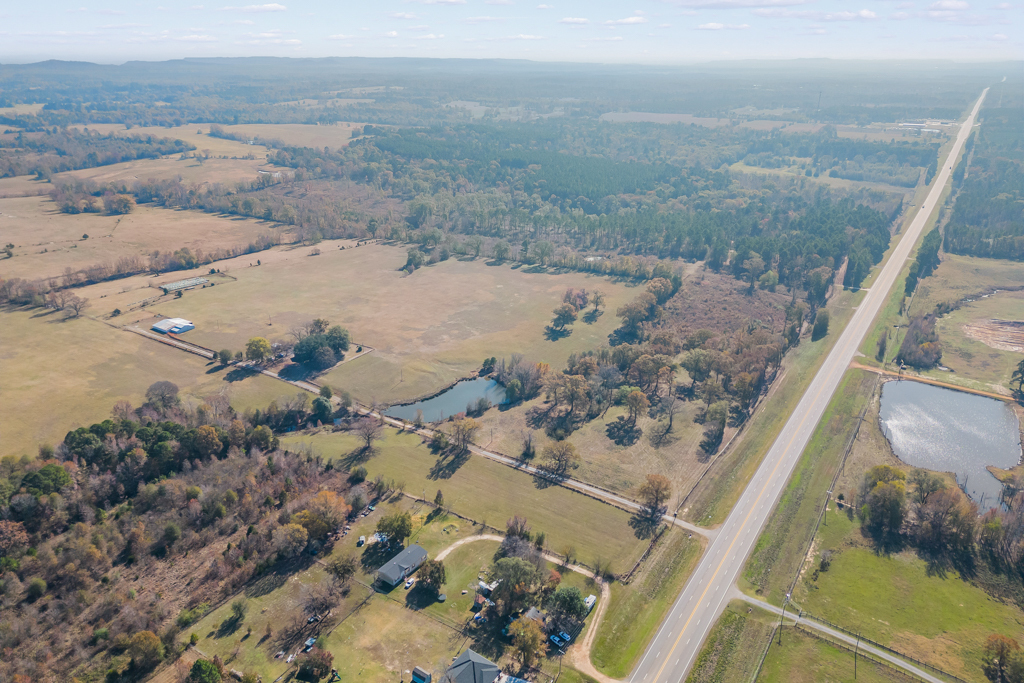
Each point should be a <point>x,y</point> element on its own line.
<point>451,401</point>
<point>951,431</point>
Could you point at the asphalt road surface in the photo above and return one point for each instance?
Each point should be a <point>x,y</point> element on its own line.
<point>677,643</point>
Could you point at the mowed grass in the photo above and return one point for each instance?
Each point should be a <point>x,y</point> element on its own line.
<point>804,658</point>
<point>636,610</point>
<point>935,616</point>
<point>428,329</point>
<point>773,563</point>
<point>48,241</point>
<point>490,493</point>
<point>62,374</point>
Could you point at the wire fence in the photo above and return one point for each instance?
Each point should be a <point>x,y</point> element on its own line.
<point>902,655</point>
<point>858,653</point>
<point>764,655</point>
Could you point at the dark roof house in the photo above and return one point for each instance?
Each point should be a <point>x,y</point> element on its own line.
<point>472,668</point>
<point>402,565</point>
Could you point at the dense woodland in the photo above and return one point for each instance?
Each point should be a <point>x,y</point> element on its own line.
<point>44,154</point>
<point>988,218</point>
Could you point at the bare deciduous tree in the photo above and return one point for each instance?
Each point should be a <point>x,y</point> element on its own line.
<point>369,430</point>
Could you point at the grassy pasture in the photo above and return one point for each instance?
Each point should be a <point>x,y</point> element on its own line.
<point>803,658</point>
<point>428,329</point>
<point>603,462</point>
<point>734,646</point>
<point>214,170</point>
<point>190,134</point>
<point>59,375</point>
<point>490,493</point>
<point>48,241</point>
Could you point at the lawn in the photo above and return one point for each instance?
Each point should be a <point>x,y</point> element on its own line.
<point>636,610</point>
<point>490,493</point>
<point>62,374</point>
<point>48,241</point>
<point>428,329</point>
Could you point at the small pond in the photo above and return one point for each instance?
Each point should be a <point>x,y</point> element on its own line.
<point>451,401</point>
<point>951,431</point>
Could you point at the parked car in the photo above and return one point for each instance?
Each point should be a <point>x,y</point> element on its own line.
<point>409,582</point>
<point>564,636</point>
<point>556,640</point>
<point>361,542</point>
<point>313,619</point>
<point>310,642</point>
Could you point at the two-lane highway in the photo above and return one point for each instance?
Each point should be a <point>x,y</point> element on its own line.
<point>677,643</point>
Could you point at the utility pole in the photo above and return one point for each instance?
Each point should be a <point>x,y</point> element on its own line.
<point>825,513</point>
<point>784,602</point>
<point>855,649</point>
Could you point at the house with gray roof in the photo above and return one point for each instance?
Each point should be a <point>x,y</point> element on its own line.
<point>470,667</point>
<point>402,565</point>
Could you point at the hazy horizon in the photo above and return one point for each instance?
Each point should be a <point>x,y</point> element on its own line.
<point>647,32</point>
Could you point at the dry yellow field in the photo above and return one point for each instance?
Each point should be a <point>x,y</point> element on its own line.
<point>428,329</point>
<point>194,134</point>
<point>62,374</point>
<point>292,134</point>
<point>48,241</point>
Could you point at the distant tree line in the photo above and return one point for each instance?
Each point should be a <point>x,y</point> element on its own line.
<point>59,150</point>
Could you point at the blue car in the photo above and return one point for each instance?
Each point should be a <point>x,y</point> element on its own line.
<point>557,641</point>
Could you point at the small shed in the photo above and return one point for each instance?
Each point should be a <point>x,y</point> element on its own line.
<point>420,675</point>
<point>173,326</point>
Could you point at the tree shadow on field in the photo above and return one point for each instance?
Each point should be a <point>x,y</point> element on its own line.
<point>448,464</point>
<point>376,556</point>
<point>644,525</point>
<point>356,456</point>
<point>420,597</point>
<point>552,333</point>
<point>44,314</point>
<point>494,262</point>
<point>238,373</point>
<point>545,478</point>
<point>591,316</point>
<point>227,627</point>
<point>623,432</point>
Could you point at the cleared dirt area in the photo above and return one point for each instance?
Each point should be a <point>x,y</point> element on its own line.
<point>47,241</point>
<point>1005,335</point>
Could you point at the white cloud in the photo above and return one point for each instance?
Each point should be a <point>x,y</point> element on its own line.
<point>401,15</point>
<point>738,4</point>
<point>499,2</point>
<point>196,39</point>
<point>419,27</point>
<point>608,39</point>
<point>482,20</point>
<point>244,22</point>
<point>949,5</point>
<point>269,7</point>
<point>120,26</point>
<point>196,7</point>
<point>900,16</point>
<point>574,20</point>
<point>1003,5</point>
<point>441,2</point>
<point>715,26</point>
<point>664,25</point>
<point>626,21</point>
<point>429,36</point>
<point>391,34</point>
<point>781,13</point>
<point>999,37</point>
<point>339,36</point>
<point>109,12</point>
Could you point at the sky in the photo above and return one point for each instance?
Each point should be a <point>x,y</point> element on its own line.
<point>644,31</point>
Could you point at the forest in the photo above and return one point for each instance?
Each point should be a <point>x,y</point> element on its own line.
<point>988,217</point>
<point>58,150</point>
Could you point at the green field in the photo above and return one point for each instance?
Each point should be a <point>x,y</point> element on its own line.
<point>936,616</point>
<point>636,610</point>
<point>491,493</point>
<point>803,657</point>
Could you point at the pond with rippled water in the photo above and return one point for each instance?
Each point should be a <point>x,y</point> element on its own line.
<point>451,401</point>
<point>951,431</point>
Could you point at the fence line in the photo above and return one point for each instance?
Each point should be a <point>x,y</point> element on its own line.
<point>764,655</point>
<point>834,642</point>
<point>886,648</point>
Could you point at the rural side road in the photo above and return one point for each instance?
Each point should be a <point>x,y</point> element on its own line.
<point>675,647</point>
